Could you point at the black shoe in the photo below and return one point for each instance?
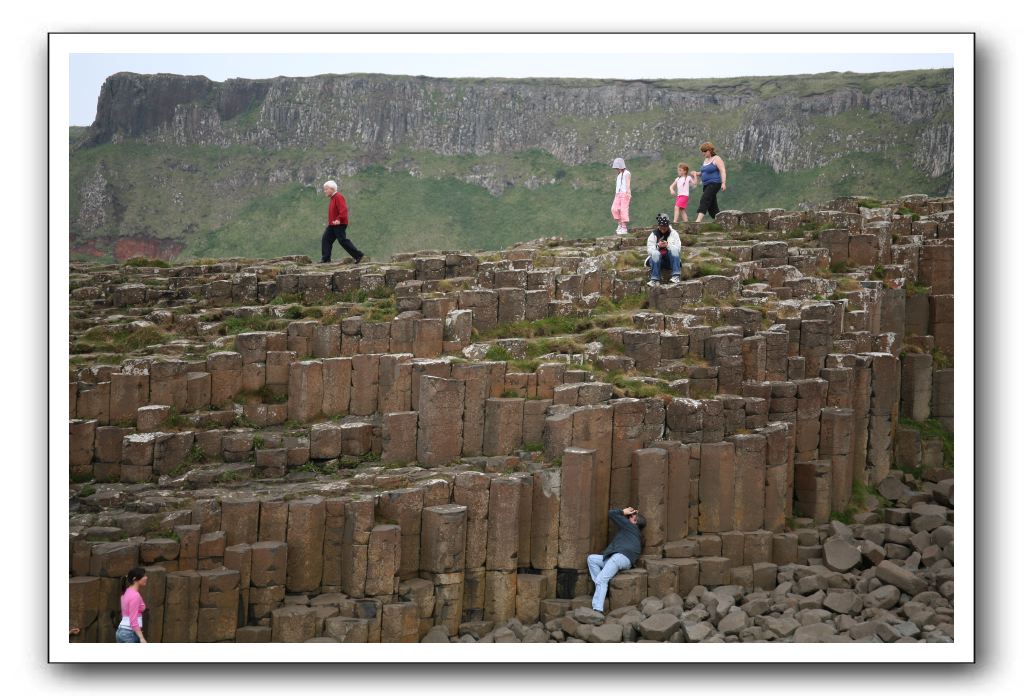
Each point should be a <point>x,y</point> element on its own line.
<point>361,257</point>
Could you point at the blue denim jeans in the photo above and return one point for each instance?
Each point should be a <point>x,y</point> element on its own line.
<point>602,571</point>
<point>655,265</point>
<point>126,635</point>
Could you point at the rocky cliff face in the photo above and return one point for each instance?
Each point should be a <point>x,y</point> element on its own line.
<point>575,121</point>
<point>181,164</point>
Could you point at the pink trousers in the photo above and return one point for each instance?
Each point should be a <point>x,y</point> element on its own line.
<point>620,207</point>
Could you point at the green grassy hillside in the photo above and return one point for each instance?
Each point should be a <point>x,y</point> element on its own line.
<point>187,190</point>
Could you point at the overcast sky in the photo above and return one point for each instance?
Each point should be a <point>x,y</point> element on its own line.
<point>89,70</point>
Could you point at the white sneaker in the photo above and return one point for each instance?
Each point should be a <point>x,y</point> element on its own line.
<point>621,230</point>
<point>653,283</point>
<point>676,279</point>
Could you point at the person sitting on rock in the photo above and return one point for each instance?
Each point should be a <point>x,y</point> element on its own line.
<point>619,555</point>
<point>664,246</point>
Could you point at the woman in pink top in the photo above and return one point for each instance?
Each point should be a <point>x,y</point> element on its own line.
<point>132,606</point>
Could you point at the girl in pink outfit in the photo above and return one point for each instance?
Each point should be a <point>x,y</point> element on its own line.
<point>680,190</point>
<point>623,194</point>
<point>132,606</point>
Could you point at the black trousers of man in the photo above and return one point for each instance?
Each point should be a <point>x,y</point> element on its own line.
<point>327,242</point>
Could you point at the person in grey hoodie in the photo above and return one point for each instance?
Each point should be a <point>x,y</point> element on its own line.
<point>620,554</point>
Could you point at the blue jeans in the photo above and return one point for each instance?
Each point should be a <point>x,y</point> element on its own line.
<point>602,571</point>
<point>655,265</point>
<point>126,635</point>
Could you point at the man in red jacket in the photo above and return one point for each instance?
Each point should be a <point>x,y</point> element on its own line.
<point>337,223</point>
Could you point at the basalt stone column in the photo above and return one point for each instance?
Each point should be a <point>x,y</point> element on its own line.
<point>218,605</point>
<point>811,395</point>
<point>137,457</point>
<point>305,544</point>
<point>239,558</point>
<point>427,338</point>
<point>421,368</point>
<point>225,370</point>
<point>305,391</point>
<point>83,608</point>
<point>591,429</point>
<point>942,392</point>
<point>92,401</point>
<point>754,358</point>
<point>942,322</point>
<point>813,490</point>
<point>916,386</point>
<point>188,552</point>
<point>484,304</point>
<point>836,443</point>
<point>326,341</point>
<point>525,516</point>
<point>365,384</point>
<point>384,559</point>
<point>649,485</point>
<point>399,437</point>
<point>351,335</point>
<point>777,477</point>
<point>546,517</point>
<point>815,341</point>
<point>472,490</point>
<point>683,419</point>
<point>534,415</point>
<point>576,511</point>
<point>300,335</point>
<point>293,624</point>
<point>935,268</point>
<point>440,420</point>
<point>359,523</point>
<point>627,436</point>
<point>278,368</point>
<point>457,329</point>
<point>400,623</point>
<point>181,607</point>
<point>443,561</point>
<point>503,524</point>
<point>893,314</point>
<point>239,520</point>
<point>404,507</point>
<point>679,493</point>
<point>502,549</point>
<point>333,543</point>
<point>273,520</point>
<point>750,481</point>
<point>548,376</point>
<point>269,564</point>
<point>884,409</point>
<point>776,346</point>
<point>477,389</point>
<point>325,440</point>
<point>557,433</point>
<point>860,403</point>
<point>644,347</point>
<point>337,386</point>
<point>82,440</point>
<point>502,429</point>
<point>511,305</point>
<point>127,393</point>
<point>840,386</point>
<point>167,383</point>
<point>395,383</point>
<point>717,486</point>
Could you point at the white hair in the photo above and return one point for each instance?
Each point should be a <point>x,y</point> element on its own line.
<point>331,184</point>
